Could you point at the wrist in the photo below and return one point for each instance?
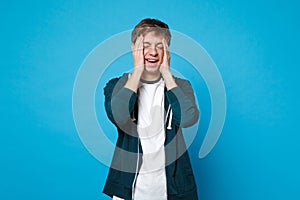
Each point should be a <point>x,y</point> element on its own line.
<point>166,73</point>
<point>169,80</point>
<point>137,71</point>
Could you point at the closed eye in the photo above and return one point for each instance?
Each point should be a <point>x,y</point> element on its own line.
<point>146,44</point>
<point>160,46</point>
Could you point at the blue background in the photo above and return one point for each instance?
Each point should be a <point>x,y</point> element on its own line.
<point>255,45</point>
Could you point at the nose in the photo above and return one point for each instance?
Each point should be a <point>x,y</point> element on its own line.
<point>153,51</point>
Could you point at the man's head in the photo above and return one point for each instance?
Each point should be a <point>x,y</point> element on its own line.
<point>154,33</point>
<point>151,25</point>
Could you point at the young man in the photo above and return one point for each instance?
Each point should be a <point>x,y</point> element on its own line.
<point>149,107</point>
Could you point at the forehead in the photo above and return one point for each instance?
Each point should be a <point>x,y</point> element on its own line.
<point>153,37</point>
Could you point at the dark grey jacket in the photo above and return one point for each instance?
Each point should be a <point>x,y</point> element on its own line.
<point>181,111</point>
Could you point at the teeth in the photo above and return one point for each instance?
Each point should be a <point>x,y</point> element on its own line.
<point>150,60</point>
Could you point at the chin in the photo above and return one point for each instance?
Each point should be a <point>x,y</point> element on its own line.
<point>152,69</point>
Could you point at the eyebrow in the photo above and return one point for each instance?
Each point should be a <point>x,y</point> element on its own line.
<point>150,43</point>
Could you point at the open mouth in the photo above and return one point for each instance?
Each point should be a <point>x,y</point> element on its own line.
<point>150,60</point>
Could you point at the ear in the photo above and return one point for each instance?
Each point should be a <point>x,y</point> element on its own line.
<point>132,46</point>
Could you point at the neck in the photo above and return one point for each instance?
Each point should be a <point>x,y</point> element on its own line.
<point>150,76</point>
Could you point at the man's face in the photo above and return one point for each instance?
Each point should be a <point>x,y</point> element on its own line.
<point>153,51</point>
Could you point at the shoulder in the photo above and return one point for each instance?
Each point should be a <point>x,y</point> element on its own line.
<point>181,82</point>
<point>115,82</point>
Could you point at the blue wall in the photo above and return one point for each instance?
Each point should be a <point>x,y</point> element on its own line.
<point>255,45</point>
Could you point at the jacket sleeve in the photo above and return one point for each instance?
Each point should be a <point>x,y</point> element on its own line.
<point>119,102</point>
<point>183,105</point>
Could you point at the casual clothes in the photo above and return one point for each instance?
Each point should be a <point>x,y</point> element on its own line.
<point>151,181</point>
<point>149,126</point>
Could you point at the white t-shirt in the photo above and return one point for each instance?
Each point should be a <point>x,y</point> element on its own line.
<point>151,180</point>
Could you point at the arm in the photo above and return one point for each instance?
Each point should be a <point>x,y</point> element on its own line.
<point>165,68</point>
<point>182,101</point>
<point>121,94</point>
<point>119,101</point>
<point>180,95</point>
<point>138,63</point>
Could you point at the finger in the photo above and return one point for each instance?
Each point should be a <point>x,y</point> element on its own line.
<point>137,46</point>
<point>139,42</point>
<point>166,47</point>
<point>140,50</point>
<point>166,53</point>
<point>166,50</point>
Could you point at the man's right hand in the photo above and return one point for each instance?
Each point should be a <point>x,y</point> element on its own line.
<point>138,54</point>
<point>138,62</point>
